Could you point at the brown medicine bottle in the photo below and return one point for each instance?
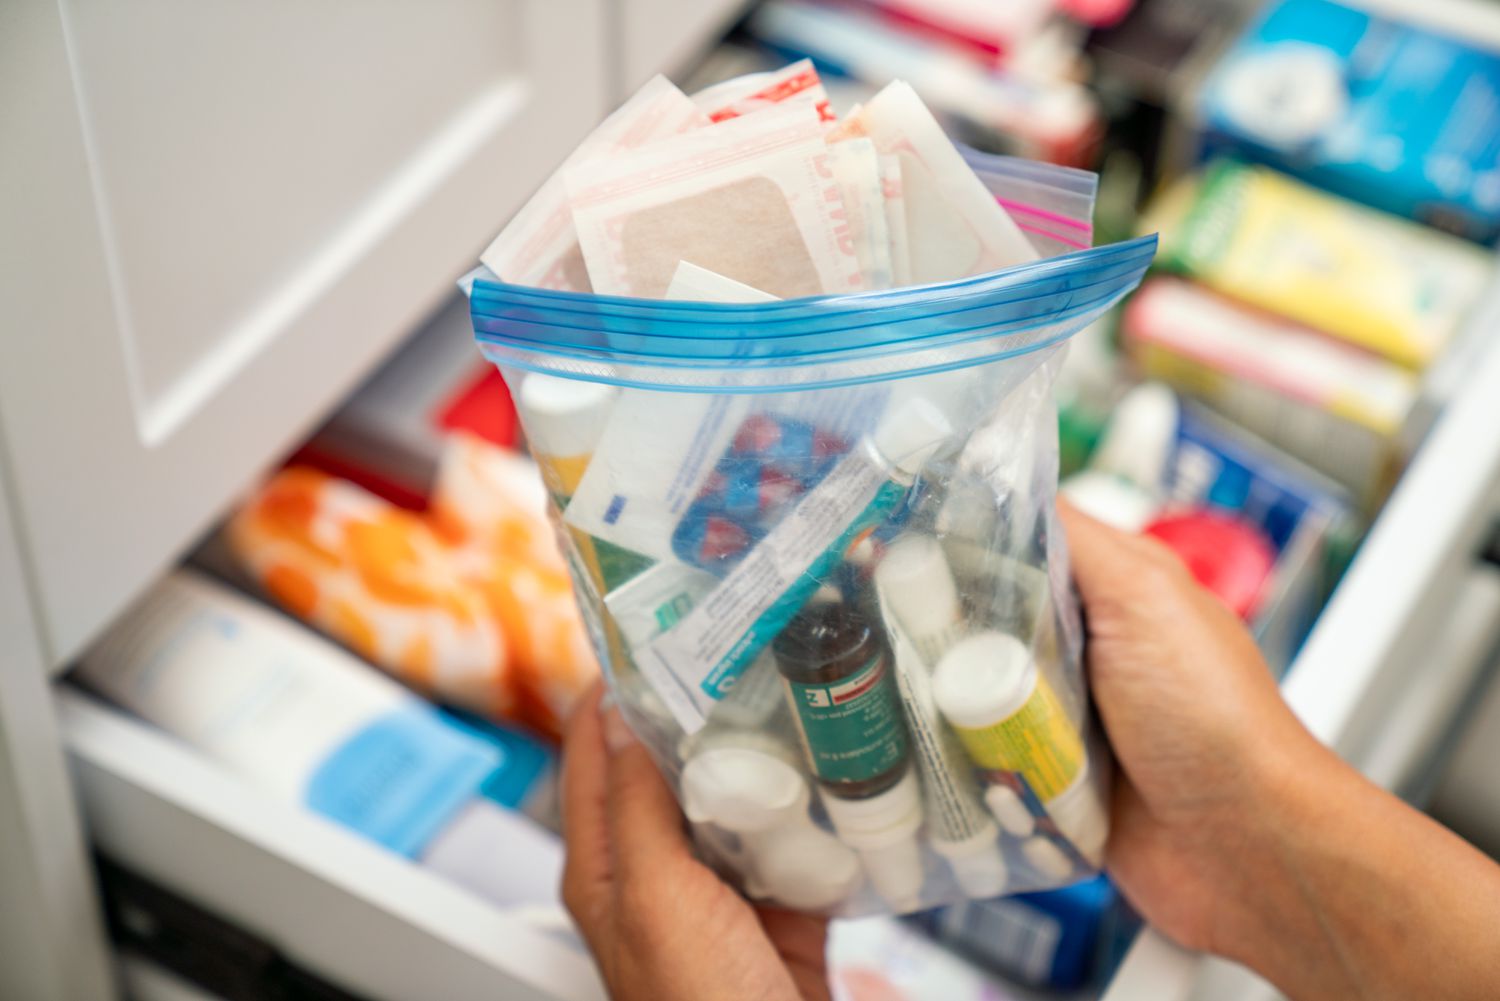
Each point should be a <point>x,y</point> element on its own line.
<point>839,680</point>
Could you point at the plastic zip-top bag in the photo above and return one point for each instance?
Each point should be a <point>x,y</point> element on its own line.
<point>815,540</point>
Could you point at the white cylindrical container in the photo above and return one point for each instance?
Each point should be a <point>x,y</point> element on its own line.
<point>917,587</point>
<point>804,867</point>
<point>883,830</point>
<point>306,722</point>
<point>754,793</point>
<point>1010,809</point>
<point>1137,444</point>
<point>1082,816</point>
<point>959,829</point>
<point>1047,857</point>
<point>564,420</point>
<point>1007,715</point>
<point>743,789</point>
<point>1126,475</point>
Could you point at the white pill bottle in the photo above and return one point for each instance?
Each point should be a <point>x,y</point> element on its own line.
<point>1012,723</point>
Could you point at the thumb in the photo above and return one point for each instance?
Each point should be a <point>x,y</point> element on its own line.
<point>1114,569</point>
<point>646,824</point>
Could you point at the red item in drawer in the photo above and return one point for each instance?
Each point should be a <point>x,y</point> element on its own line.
<point>1229,557</point>
<point>483,408</point>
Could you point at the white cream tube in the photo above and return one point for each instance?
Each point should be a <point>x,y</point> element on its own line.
<point>307,723</point>
<point>961,829</point>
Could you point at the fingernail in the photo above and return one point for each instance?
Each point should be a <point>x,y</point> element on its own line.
<point>617,735</point>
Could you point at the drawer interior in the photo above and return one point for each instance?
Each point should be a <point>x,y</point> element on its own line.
<point>345,908</point>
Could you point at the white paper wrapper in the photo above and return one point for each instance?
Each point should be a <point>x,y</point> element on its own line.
<point>753,199</point>
<point>954,226</point>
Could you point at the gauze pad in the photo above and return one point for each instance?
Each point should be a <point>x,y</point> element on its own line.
<point>754,199</point>
<point>539,247</point>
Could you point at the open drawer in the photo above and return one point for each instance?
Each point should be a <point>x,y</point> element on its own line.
<point>334,903</point>
<point>370,921</point>
<point>1383,676</point>
<point>342,908</point>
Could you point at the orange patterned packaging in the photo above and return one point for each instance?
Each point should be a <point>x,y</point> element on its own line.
<point>469,601</point>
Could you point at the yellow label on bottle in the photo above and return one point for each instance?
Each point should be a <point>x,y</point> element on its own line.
<point>562,473</point>
<point>1038,740</point>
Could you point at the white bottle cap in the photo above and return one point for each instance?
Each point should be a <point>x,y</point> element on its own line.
<point>720,736</point>
<point>742,789</point>
<point>909,435</point>
<point>1138,441</point>
<point>883,829</point>
<point>1047,858</point>
<point>563,417</point>
<point>918,586</point>
<point>879,820</point>
<point>1010,809</point>
<point>1116,502</point>
<point>804,867</point>
<point>977,863</point>
<point>1080,814</point>
<point>983,679</point>
<point>897,874</point>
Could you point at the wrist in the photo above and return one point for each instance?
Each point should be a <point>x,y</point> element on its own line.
<point>1292,816</point>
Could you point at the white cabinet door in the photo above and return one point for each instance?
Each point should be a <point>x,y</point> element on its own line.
<point>666,36</point>
<point>52,945</point>
<point>214,218</point>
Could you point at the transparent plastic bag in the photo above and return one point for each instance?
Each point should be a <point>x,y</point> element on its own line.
<point>816,547</point>
<point>1052,205</point>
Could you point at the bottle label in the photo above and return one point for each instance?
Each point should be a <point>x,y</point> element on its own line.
<point>852,727</point>
<point>1038,740</point>
<point>561,474</point>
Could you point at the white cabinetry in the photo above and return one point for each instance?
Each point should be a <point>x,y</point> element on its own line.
<point>217,217</point>
<point>664,36</point>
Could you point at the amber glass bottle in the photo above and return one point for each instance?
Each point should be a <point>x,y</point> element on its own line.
<point>838,676</point>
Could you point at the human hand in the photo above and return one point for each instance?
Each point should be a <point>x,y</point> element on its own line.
<point>1206,745</point>
<point>661,925</point>
<point>1234,831</point>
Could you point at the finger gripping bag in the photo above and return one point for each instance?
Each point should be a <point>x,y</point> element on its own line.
<point>815,544</point>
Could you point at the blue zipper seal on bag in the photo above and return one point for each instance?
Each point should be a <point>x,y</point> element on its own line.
<point>814,342</point>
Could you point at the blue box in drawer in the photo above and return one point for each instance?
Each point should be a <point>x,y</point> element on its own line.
<point>1388,114</point>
